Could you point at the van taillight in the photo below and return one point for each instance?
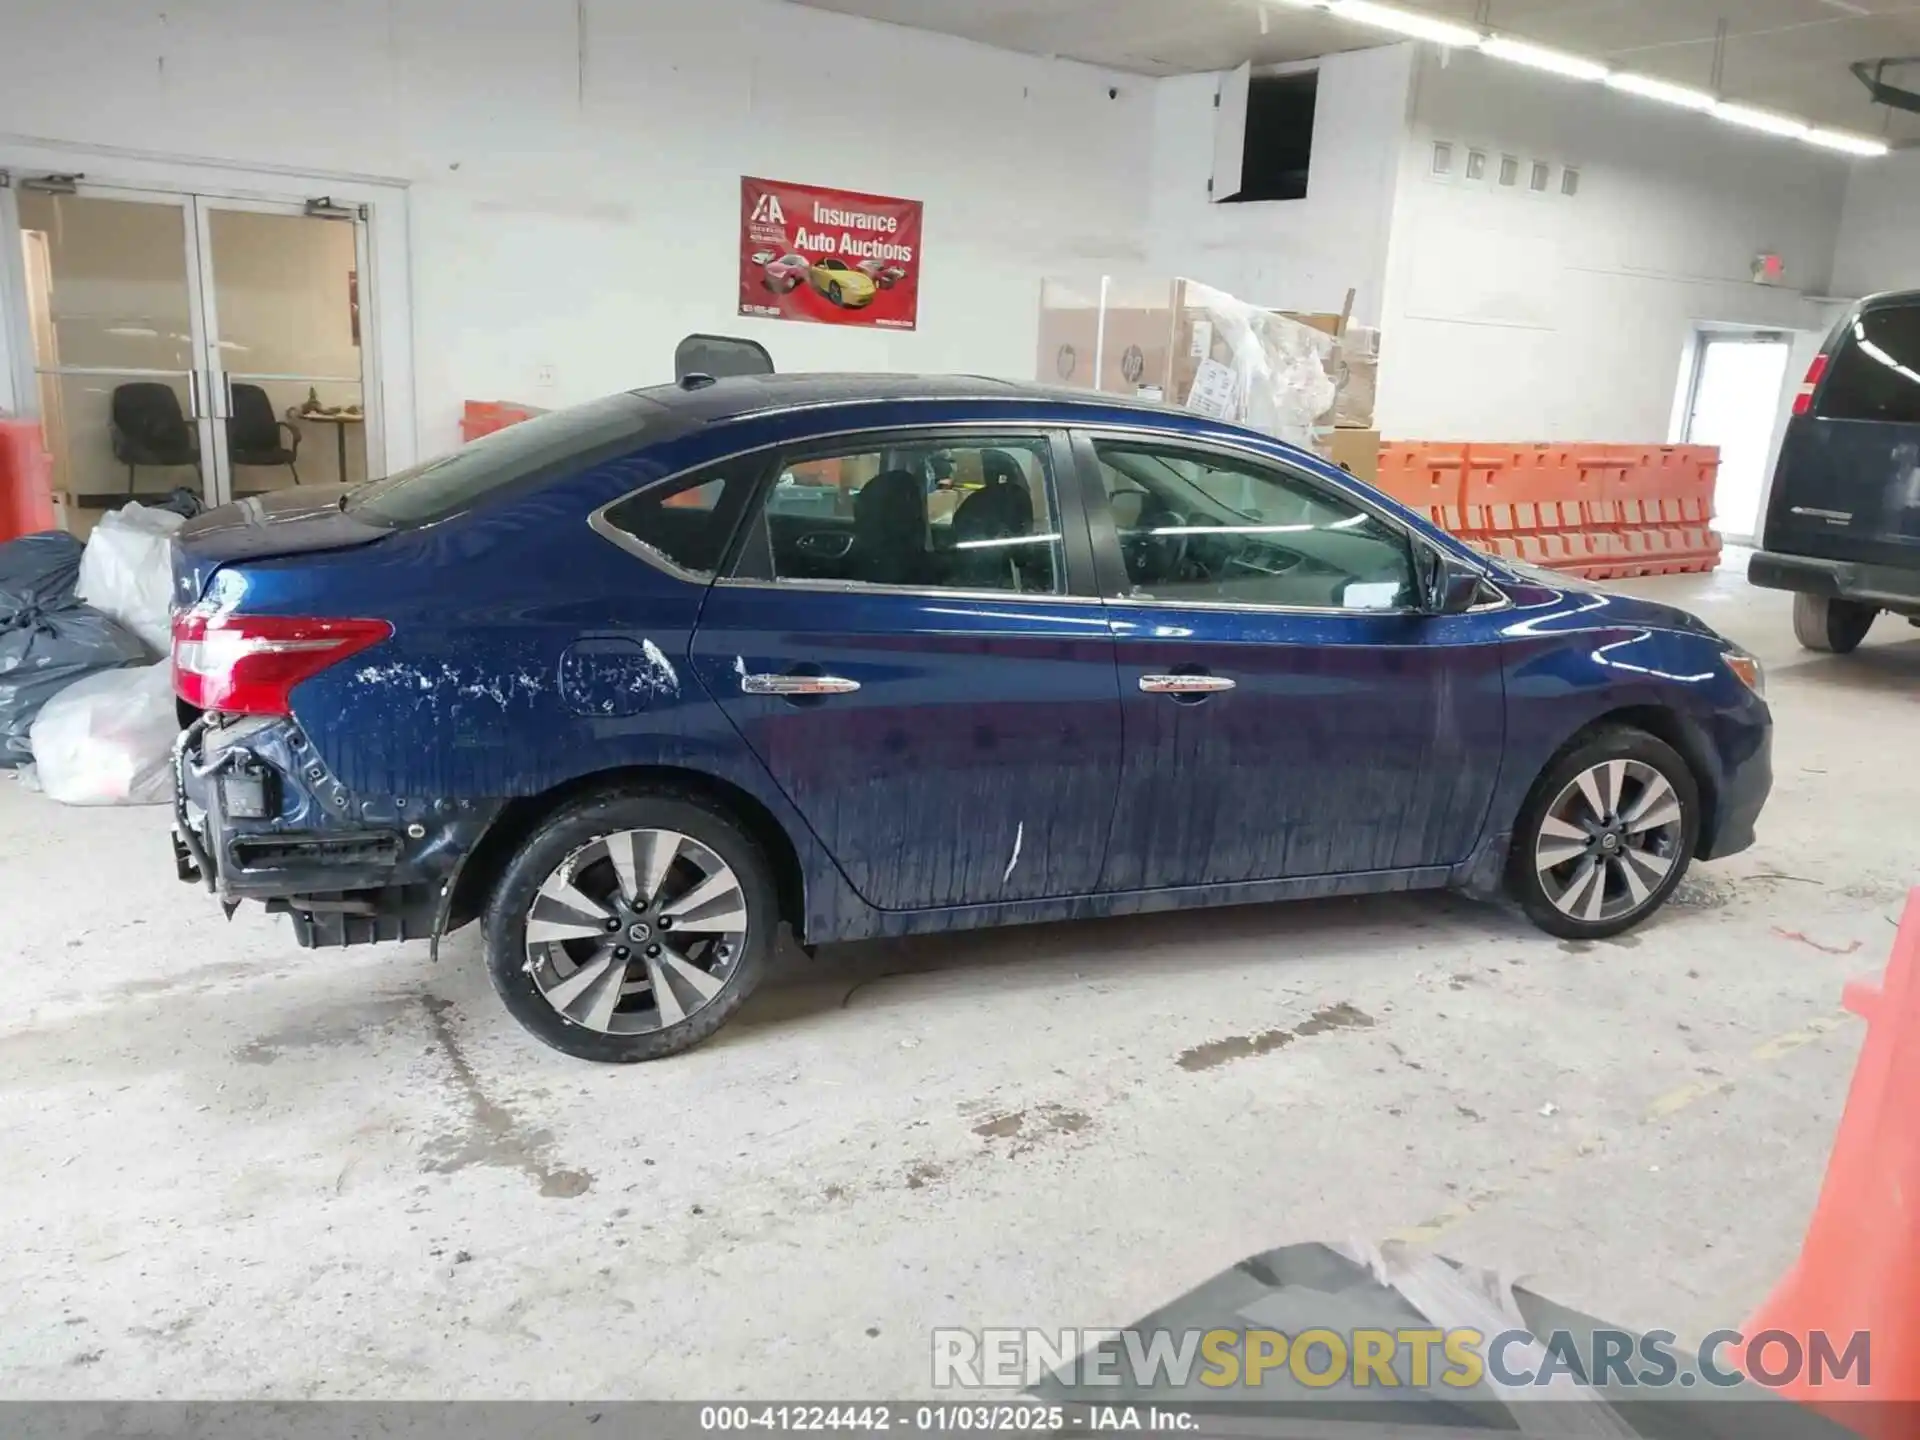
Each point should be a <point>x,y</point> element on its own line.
<point>249,664</point>
<point>1816,372</point>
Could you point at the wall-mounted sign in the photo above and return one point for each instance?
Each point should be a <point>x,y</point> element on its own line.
<point>834,257</point>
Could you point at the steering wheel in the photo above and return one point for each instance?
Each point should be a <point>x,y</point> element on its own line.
<point>1150,557</point>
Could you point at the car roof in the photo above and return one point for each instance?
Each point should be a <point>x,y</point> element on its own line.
<point>744,395</point>
<point>1890,297</point>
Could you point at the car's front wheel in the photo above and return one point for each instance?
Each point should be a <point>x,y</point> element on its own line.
<point>631,926</point>
<point>1821,622</point>
<point>1605,836</point>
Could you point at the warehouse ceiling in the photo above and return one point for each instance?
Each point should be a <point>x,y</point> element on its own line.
<point>1786,54</point>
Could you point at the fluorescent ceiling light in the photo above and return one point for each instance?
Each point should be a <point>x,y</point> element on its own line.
<point>1665,91</point>
<point>1538,57</point>
<point>1763,120</point>
<point>1405,22</point>
<point>1848,144</point>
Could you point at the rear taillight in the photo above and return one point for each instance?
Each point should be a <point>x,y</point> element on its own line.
<point>249,664</point>
<point>1816,372</point>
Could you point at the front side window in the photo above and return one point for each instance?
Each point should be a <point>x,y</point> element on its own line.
<point>1199,527</point>
<point>1876,375</point>
<point>973,515</point>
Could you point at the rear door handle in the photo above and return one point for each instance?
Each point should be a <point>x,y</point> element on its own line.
<point>790,685</point>
<point>1185,684</point>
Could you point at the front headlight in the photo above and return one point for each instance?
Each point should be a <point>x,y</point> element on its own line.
<point>1750,671</point>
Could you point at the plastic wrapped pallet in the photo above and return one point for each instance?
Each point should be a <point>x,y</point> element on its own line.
<point>108,739</point>
<point>1260,369</point>
<point>127,570</point>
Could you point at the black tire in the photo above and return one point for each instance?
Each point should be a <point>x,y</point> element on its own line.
<point>834,292</point>
<point>1528,882</point>
<point>578,825</point>
<point>1834,627</point>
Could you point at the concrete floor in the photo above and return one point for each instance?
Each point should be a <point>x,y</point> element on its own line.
<point>235,1168</point>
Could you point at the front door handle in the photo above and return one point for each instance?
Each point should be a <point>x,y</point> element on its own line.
<point>1185,684</point>
<point>791,685</point>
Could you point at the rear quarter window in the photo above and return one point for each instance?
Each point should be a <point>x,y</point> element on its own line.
<point>1876,371</point>
<point>545,446</point>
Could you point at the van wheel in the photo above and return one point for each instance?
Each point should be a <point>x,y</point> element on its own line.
<point>1606,835</point>
<point>1834,626</point>
<point>631,926</point>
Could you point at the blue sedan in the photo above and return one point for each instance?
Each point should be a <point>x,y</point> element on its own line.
<point>633,683</point>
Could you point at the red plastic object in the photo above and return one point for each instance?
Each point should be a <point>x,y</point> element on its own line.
<point>26,480</point>
<point>483,417</point>
<point>249,664</point>
<point>1859,1269</point>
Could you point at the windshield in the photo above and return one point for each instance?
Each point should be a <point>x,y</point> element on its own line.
<point>456,482</point>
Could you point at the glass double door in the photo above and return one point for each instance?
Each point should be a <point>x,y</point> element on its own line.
<point>194,341</point>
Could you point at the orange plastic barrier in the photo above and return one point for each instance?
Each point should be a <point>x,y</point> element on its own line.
<point>26,480</point>
<point>483,417</point>
<point>1859,1269</point>
<point>1427,478</point>
<point>1603,511</point>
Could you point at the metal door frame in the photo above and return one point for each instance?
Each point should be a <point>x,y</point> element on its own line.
<point>383,247</point>
<point>219,380</point>
<point>26,371</point>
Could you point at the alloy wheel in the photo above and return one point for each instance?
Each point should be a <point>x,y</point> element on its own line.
<point>1609,841</point>
<point>636,931</point>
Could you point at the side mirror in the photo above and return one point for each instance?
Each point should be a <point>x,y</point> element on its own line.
<point>1446,587</point>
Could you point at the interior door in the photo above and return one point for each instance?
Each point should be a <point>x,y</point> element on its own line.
<point>114,307</point>
<point>915,675</point>
<point>286,315</point>
<point>1287,713</point>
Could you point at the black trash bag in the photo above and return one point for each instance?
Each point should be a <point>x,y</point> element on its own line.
<point>181,501</point>
<point>37,571</point>
<point>44,649</point>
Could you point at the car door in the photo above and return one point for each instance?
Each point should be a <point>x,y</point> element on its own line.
<point>917,678</point>
<point>1287,710</point>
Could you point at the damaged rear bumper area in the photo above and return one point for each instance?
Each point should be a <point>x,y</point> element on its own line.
<point>258,816</point>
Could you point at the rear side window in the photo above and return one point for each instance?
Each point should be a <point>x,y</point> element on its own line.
<point>565,440</point>
<point>1876,375</point>
<point>685,522</point>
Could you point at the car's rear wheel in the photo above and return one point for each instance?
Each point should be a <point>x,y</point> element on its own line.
<point>1837,627</point>
<point>834,293</point>
<point>1605,836</point>
<point>631,926</point>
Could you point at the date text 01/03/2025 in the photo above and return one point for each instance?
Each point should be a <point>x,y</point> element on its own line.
<point>944,1419</point>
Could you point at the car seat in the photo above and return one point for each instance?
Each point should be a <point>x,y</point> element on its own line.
<point>1000,511</point>
<point>890,530</point>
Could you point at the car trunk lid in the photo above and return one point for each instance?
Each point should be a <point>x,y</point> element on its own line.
<point>298,521</point>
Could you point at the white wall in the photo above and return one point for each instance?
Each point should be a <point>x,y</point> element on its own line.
<point>574,197</point>
<point>1287,254</point>
<point>1880,228</point>
<point>1515,317</point>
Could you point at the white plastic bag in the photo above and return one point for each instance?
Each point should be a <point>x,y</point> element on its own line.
<point>108,739</point>
<point>127,571</point>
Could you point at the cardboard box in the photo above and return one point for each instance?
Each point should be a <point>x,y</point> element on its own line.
<point>1355,451</point>
<point>1325,324</point>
